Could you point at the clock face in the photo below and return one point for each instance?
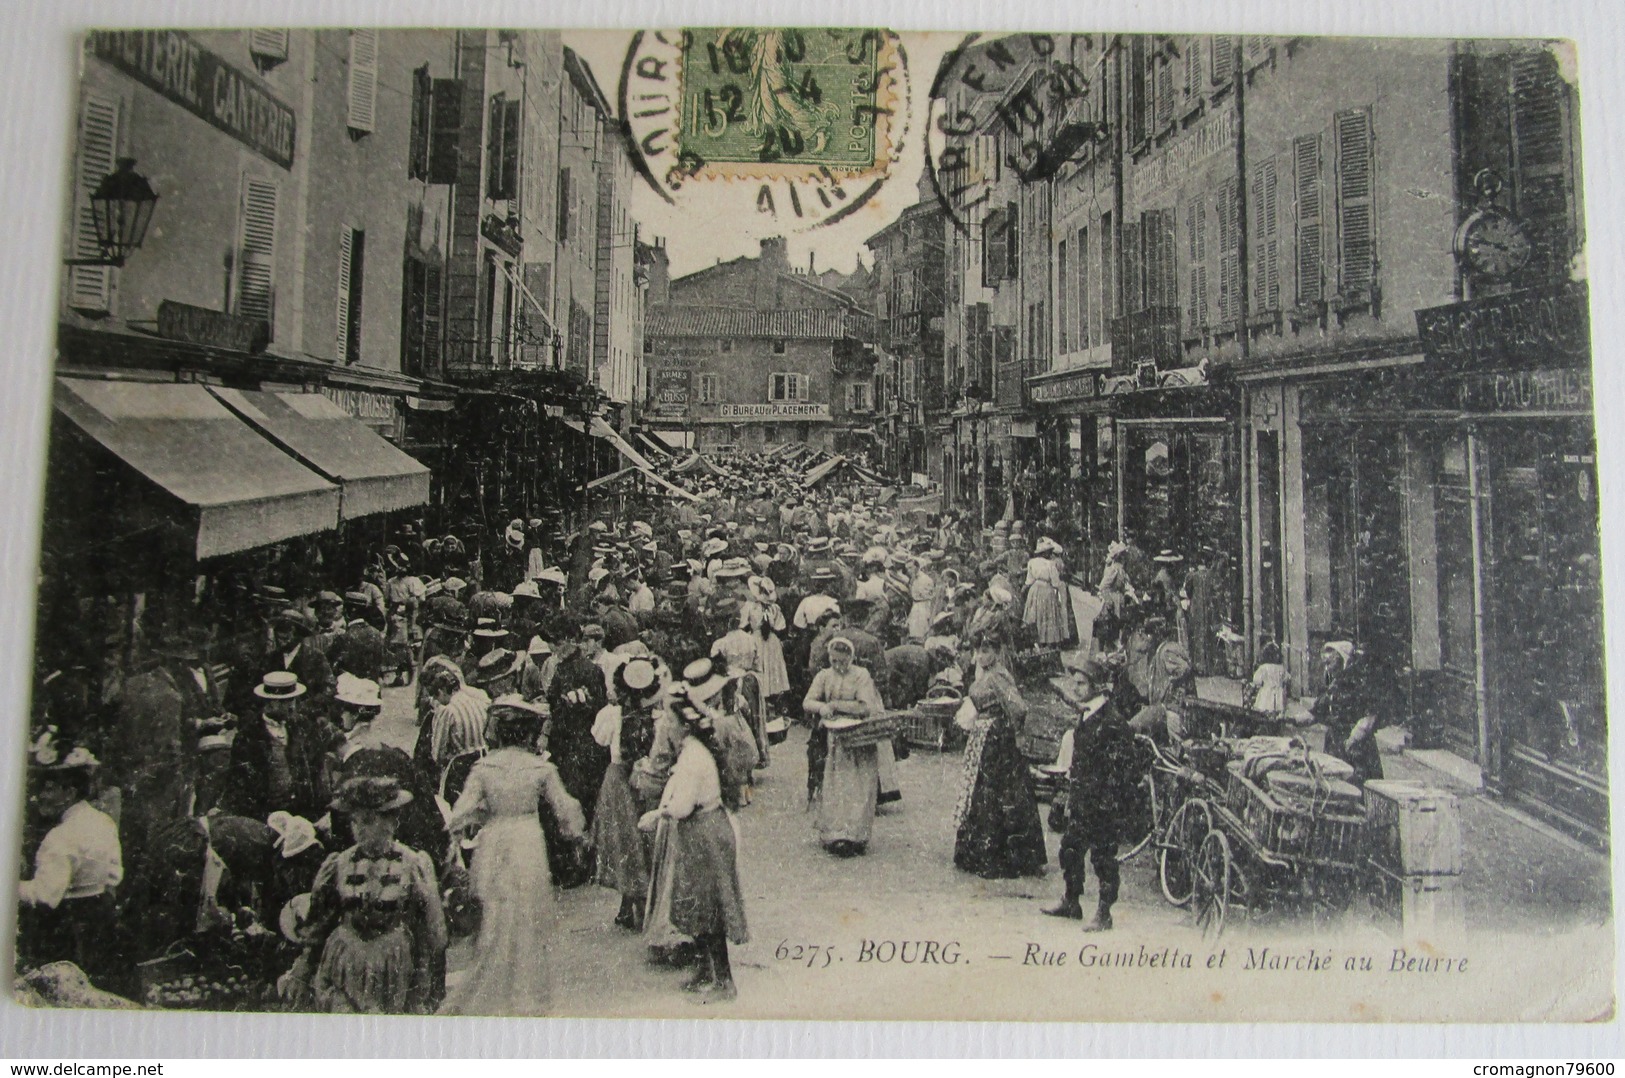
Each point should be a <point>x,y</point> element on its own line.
<point>1494,245</point>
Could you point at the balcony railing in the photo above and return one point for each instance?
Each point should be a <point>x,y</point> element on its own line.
<point>1148,336</point>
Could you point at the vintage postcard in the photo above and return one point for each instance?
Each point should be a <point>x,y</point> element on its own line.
<point>821,523</point>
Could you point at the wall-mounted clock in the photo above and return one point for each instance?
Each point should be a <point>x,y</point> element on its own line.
<point>1489,242</point>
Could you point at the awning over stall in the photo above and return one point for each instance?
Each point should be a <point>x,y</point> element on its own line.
<point>601,429</point>
<point>375,476</point>
<point>243,491</point>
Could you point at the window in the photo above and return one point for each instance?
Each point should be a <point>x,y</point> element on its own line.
<point>1356,211</point>
<point>708,388</point>
<point>1165,89</point>
<point>1161,275</point>
<point>770,434</point>
<point>787,387</point>
<point>1196,302</point>
<point>417,149</point>
<point>1229,252</point>
<point>363,85</point>
<point>995,248</point>
<point>256,250</point>
<point>725,345</point>
<point>563,223</point>
<point>1193,71</point>
<point>445,122</point>
<point>911,384</point>
<point>1063,311</point>
<point>502,149</point>
<point>268,47</point>
<point>1543,175</point>
<point>778,348</point>
<point>1308,242</point>
<point>1138,107</point>
<point>90,288</point>
<point>1222,59</point>
<point>648,346</point>
<point>1081,257</point>
<point>1266,281</point>
<point>352,249</point>
<point>858,397</point>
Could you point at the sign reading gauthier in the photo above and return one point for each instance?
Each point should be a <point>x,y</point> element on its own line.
<point>1535,327</point>
<point>197,80</point>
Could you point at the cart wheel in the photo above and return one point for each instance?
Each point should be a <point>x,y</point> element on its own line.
<point>1176,850</point>
<point>1213,884</point>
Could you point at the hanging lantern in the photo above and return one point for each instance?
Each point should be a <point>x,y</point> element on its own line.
<point>121,207</point>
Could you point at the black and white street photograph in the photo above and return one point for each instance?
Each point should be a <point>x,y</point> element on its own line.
<point>819,523</point>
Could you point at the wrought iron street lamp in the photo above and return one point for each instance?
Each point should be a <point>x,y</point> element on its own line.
<point>121,208</point>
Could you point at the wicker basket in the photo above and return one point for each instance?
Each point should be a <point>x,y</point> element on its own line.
<point>1296,832</point>
<point>930,727</point>
<point>869,732</point>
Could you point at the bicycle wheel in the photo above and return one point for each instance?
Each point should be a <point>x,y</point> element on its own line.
<point>1147,821</point>
<point>1213,872</point>
<point>1177,849</point>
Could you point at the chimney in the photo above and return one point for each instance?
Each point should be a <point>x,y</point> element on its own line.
<point>775,255</point>
<point>810,271</point>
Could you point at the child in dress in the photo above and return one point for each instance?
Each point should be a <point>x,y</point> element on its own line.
<point>1267,693</point>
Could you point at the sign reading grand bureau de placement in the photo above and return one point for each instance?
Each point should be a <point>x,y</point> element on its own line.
<point>170,62</point>
<point>773,411</point>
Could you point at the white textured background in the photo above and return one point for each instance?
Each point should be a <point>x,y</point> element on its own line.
<point>37,76</point>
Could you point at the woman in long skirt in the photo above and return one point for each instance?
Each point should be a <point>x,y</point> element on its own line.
<point>627,729</point>
<point>701,882</point>
<point>847,799</point>
<point>999,835</point>
<point>1045,611</point>
<point>512,972</point>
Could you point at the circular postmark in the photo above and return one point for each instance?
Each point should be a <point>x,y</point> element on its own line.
<point>796,128</point>
<point>1017,104</point>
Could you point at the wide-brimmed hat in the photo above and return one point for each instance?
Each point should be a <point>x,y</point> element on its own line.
<point>512,701</point>
<point>294,834</point>
<point>279,685</point>
<point>1168,557</point>
<point>526,589</point>
<point>703,681</point>
<point>712,547</point>
<point>824,573</point>
<point>762,589</point>
<point>490,629</point>
<point>357,691</point>
<point>495,664</point>
<point>818,544</point>
<point>538,646</point>
<point>641,527</point>
<point>298,619</point>
<point>396,559</point>
<point>552,575</point>
<point>734,567</point>
<point>637,677</point>
<point>371,793</point>
<point>327,598</point>
<point>1046,545</point>
<point>48,754</point>
<point>514,535</point>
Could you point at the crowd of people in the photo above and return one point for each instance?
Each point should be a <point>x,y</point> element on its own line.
<point>592,706</point>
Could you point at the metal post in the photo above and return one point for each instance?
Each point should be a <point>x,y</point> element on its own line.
<point>1481,690</point>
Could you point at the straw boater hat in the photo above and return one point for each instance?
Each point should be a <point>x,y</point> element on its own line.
<point>298,619</point>
<point>636,678</point>
<point>824,574</point>
<point>818,544</point>
<point>734,567</point>
<point>371,793</point>
<point>294,834</point>
<point>514,536</point>
<point>702,680</point>
<point>357,692</point>
<point>712,547</point>
<point>489,629</point>
<point>1167,557</point>
<point>279,685</point>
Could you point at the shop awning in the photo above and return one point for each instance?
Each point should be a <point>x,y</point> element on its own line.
<point>820,473</point>
<point>603,430</point>
<point>244,491</point>
<point>656,446</point>
<point>374,476</point>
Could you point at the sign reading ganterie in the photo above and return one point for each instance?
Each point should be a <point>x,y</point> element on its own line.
<point>1535,327</point>
<point>772,411</point>
<point>1078,385</point>
<point>197,80</point>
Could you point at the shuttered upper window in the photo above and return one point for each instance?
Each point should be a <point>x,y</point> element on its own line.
<point>1309,244</point>
<point>268,47</point>
<point>1356,209</point>
<point>1161,277</point>
<point>363,88</point>
<point>1221,59</point>
<point>1228,214</point>
<point>1266,245</point>
<point>256,250</point>
<point>352,253</point>
<point>502,150</point>
<point>90,288</point>
<point>1542,173</point>
<point>1196,306</point>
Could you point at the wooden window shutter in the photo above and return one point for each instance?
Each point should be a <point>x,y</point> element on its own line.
<point>1063,298</point>
<point>995,248</point>
<point>1229,247</point>
<point>256,247</point>
<point>269,47</point>
<point>1266,280</point>
<point>510,149</point>
<point>1137,105</point>
<point>563,223</point>
<point>1012,266</point>
<point>1081,255</point>
<point>1356,209</point>
<point>1165,91</point>
<point>1196,266</point>
<point>341,337</point>
<point>417,165</point>
<point>1223,61</point>
<point>1308,254</point>
<point>1257,49</point>
<point>1133,257</point>
<point>412,321</point>
<point>1540,173</point>
<point>363,97</point>
<point>445,122</point>
<point>1193,69</point>
<point>1158,228</point>
<point>90,288</point>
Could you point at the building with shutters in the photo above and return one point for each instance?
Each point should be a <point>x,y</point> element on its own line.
<point>1311,314</point>
<point>746,355</point>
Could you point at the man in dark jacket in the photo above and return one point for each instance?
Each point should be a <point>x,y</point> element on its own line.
<point>1099,782</point>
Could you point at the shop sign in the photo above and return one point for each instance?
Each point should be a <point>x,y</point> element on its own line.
<point>376,410</point>
<point>1533,327</point>
<point>773,411</point>
<point>671,393</point>
<point>1180,160</point>
<point>200,82</point>
<point>1550,390</point>
<point>200,325</point>
<point>1078,385</point>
